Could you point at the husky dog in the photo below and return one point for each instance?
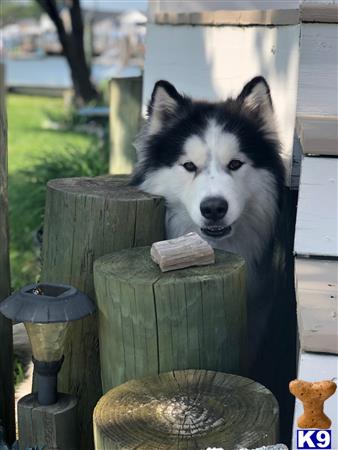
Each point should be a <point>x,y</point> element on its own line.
<point>219,168</point>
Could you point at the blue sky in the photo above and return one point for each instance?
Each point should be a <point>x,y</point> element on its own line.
<point>115,5</point>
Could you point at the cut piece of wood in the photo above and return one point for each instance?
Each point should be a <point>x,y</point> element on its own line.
<point>319,11</point>
<point>318,70</point>
<point>185,251</point>
<point>316,224</point>
<point>230,17</point>
<point>6,338</point>
<point>186,409</point>
<point>316,367</point>
<point>52,427</point>
<point>270,51</point>
<point>150,322</point>
<point>318,134</point>
<point>317,307</point>
<point>125,102</point>
<point>86,218</point>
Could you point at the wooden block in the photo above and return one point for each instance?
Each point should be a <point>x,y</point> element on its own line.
<point>185,410</point>
<point>318,134</point>
<point>315,367</point>
<point>317,307</point>
<point>230,17</point>
<point>316,224</point>
<point>52,427</point>
<point>184,251</point>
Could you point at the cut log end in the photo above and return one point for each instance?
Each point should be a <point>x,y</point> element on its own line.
<point>186,409</point>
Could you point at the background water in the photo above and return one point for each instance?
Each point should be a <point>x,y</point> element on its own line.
<point>53,71</point>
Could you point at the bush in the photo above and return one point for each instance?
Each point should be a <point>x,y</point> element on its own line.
<point>27,193</point>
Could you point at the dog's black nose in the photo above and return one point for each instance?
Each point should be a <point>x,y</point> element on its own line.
<point>214,208</point>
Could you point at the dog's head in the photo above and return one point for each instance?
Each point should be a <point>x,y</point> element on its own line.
<point>216,159</point>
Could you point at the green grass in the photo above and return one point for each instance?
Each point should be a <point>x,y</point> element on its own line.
<point>28,138</point>
<point>37,154</point>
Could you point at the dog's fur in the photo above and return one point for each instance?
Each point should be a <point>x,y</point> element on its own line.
<point>180,130</point>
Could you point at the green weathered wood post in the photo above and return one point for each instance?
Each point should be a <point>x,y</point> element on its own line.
<point>86,218</point>
<point>186,409</point>
<point>52,427</point>
<point>6,336</point>
<point>124,122</point>
<point>151,322</point>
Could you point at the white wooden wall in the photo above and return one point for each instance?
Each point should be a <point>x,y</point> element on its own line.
<point>159,6</point>
<point>318,76</point>
<point>215,62</point>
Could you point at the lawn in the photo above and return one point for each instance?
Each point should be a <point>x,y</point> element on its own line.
<point>39,150</point>
<point>28,133</point>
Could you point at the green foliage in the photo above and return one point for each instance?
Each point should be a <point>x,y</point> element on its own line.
<point>19,372</point>
<point>12,11</point>
<point>37,155</point>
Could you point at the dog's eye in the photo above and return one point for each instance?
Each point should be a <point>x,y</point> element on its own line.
<point>235,164</point>
<point>190,166</point>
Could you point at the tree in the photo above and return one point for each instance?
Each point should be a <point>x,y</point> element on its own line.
<point>73,48</point>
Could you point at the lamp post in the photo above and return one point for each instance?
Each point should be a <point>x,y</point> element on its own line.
<point>46,310</point>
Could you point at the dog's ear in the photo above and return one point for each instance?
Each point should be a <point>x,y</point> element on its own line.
<point>164,102</point>
<point>256,97</point>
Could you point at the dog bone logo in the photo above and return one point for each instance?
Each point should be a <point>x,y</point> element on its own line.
<point>313,396</point>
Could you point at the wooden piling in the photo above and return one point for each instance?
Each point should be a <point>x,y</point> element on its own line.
<point>52,427</point>
<point>151,322</point>
<point>184,410</point>
<point>6,336</point>
<point>86,218</point>
<point>124,122</point>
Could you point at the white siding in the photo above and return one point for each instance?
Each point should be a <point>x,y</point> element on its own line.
<point>215,62</point>
<point>318,74</point>
<point>214,5</point>
<point>316,225</point>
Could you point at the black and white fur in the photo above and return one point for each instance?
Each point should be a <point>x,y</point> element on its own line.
<point>236,171</point>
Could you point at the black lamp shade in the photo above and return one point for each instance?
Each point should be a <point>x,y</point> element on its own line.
<point>54,303</point>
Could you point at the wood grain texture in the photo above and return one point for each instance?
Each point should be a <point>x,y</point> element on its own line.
<point>52,427</point>
<point>317,308</point>
<point>197,67</point>
<point>318,70</point>
<point>86,218</point>
<point>184,251</point>
<point>6,339</point>
<point>319,11</point>
<point>184,410</point>
<point>230,17</point>
<point>318,134</point>
<point>316,225</point>
<point>151,322</point>
<point>124,122</point>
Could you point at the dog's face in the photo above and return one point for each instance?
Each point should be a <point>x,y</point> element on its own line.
<point>214,159</point>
